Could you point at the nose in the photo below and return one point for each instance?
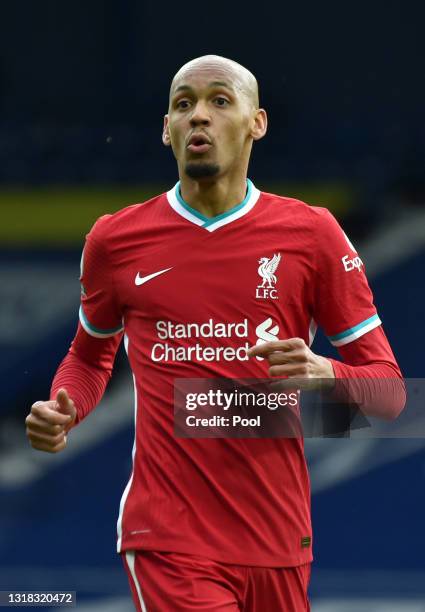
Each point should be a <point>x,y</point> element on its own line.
<point>200,114</point>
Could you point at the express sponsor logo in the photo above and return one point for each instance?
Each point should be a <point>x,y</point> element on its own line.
<point>351,264</point>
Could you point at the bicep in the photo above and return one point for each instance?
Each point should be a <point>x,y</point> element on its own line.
<point>343,302</point>
<point>100,311</point>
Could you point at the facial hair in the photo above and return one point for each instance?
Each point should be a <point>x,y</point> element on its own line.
<point>201,170</point>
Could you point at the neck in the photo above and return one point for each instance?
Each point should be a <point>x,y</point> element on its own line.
<point>213,197</point>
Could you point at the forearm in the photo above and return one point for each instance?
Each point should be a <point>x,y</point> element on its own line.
<point>84,383</point>
<point>370,377</point>
<point>86,371</point>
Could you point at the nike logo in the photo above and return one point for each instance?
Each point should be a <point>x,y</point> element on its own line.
<point>140,280</point>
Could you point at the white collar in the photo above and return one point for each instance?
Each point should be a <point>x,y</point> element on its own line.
<point>212,223</point>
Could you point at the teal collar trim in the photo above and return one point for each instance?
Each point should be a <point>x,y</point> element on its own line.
<point>210,220</point>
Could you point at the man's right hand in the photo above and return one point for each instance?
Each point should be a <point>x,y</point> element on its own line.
<point>49,422</point>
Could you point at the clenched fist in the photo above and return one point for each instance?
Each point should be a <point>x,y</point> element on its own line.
<point>49,422</point>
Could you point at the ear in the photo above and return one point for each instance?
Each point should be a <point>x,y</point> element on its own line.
<point>259,127</point>
<point>166,133</point>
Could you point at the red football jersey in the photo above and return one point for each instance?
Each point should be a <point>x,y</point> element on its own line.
<point>192,294</point>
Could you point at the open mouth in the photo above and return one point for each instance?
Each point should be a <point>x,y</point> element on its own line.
<point>199,143</point>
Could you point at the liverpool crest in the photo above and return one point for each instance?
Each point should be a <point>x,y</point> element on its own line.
<point>266,270</point>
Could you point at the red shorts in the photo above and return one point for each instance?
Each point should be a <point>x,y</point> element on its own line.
<point>174,582</point>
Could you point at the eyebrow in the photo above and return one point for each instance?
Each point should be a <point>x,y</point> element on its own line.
<point>212,84</point>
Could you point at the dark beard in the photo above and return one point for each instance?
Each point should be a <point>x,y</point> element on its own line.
<point>201,170</point>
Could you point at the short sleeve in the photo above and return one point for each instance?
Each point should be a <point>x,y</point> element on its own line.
<point>100,314</point>
<point>343,303</point>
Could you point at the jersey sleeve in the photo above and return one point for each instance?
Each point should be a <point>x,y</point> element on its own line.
<point>343,302</point>
<point>100,314</point>
<point>86,370</point>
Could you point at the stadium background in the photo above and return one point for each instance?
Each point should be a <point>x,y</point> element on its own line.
<point>83,88</point>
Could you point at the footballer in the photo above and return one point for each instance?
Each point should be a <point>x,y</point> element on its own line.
<point>214,279</point>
